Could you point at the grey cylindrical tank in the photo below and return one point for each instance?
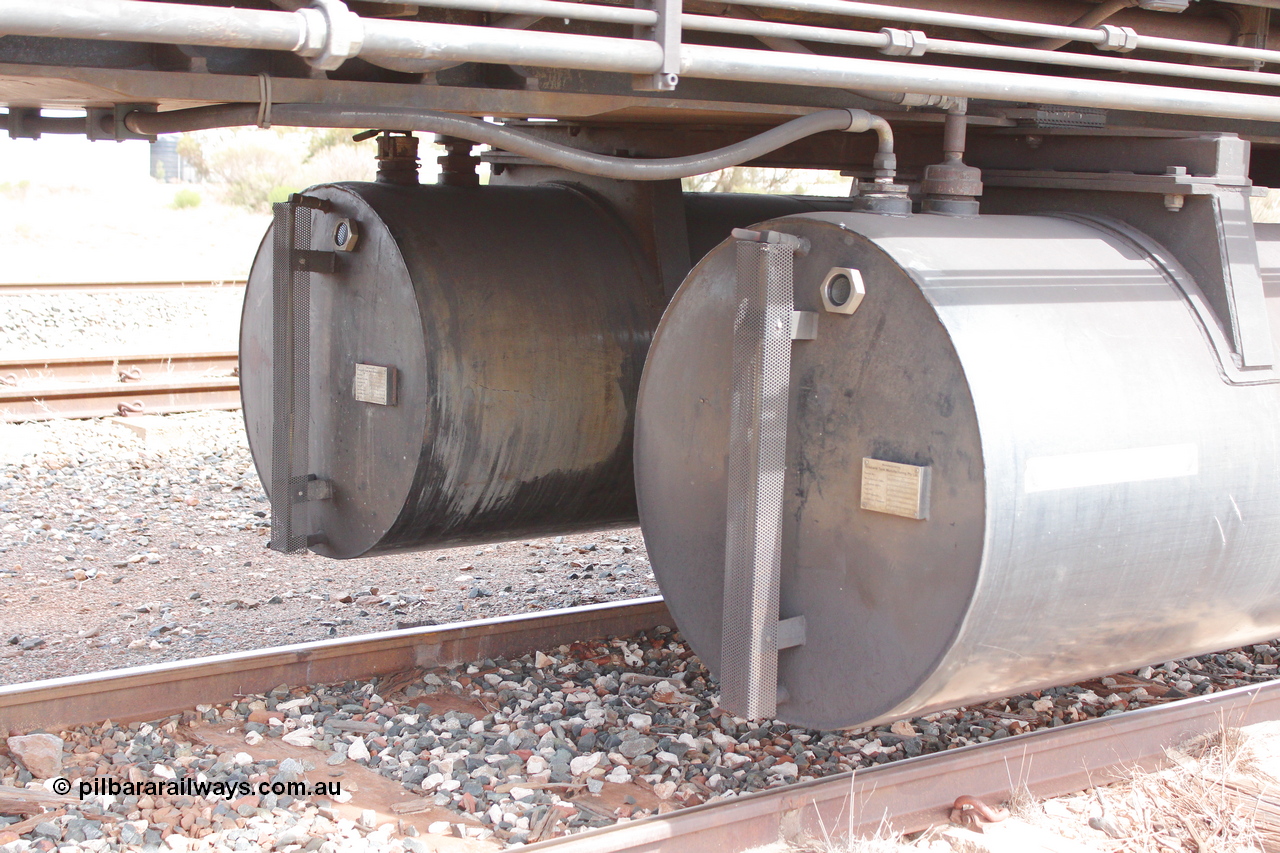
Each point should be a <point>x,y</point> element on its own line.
<point>1100,496</point>
<point>515,322</point>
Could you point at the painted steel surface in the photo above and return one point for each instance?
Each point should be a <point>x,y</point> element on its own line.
<point>515,321</point>
<point>1100,497</point>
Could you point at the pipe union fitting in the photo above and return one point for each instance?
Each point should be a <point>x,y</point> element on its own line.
<point>904,42</point>
<point>1119,39</point>
<point>333,34</point>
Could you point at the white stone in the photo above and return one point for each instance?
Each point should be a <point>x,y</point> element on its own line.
<point>785,768</point>
<point>243,758</point>
<point>641,722</point>
<point>440,827</point>
<point>585,763</point>
<point>253,738</point>
<point>358,751</point>
<point>664,790</point>
<point>301,737</point>
<point>618,776</point>
<point>536,764</point>
<point>542,661</point>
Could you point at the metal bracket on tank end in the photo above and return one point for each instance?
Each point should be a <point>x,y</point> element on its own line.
<point>292,485</point>
<point>763,331</point>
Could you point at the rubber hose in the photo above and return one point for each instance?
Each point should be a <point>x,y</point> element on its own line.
<point>508,139</point>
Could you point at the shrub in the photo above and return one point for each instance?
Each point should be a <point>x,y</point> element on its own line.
<point>184,199</point>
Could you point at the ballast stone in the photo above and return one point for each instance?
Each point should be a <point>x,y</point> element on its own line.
<point>41,754</point>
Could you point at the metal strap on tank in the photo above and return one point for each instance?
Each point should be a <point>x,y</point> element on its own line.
<point>290,379</point>
<point>757,471</point>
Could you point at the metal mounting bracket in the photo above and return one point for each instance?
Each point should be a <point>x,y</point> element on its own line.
<point>1189,194</point>
<point>666,32</point>
<point>292,485</point>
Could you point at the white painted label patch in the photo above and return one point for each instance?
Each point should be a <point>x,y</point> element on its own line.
<point>1107,467</point>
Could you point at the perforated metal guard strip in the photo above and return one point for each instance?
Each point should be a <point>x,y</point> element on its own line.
<point>290,380</point>
<point>757,470</point>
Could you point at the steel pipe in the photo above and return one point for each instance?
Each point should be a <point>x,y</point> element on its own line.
<point>487,133</point>
<point>982,23</point>
<point>799,32</point>
<point>419,40</point>
<point>721,63</point>
<point>381,39</point>
<point>154,23</point>
<point>1089,19</point>
<point>545,9</point>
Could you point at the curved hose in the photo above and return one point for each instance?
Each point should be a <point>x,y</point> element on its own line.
<point>508,139</point>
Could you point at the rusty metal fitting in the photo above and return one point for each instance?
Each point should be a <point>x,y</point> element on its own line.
<point>457,166</point>
<point>973,812</point>
<point>881,196</point>
<point>398,159</point>
<point>885,165</point>
<point>952,177</point>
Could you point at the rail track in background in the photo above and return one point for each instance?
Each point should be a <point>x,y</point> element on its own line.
<point>905,796</point>
<point>104,286</point>
<point>103,385</point>
<point>98,386</point>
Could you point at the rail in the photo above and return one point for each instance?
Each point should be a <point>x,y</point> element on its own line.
<point>903,796</point>
<point>104,286</point>
<point>95,386</point>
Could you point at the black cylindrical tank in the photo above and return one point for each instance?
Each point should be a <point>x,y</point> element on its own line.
<point>512,323</point>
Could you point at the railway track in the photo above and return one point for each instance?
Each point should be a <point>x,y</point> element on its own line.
<point>103,286</point>
<point>905,796</point>
<point>96,386</point>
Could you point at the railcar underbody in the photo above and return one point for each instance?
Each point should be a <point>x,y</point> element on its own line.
<point>1007,416</point>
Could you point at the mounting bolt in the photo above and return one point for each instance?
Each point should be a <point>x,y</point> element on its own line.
<point>1173,202</point>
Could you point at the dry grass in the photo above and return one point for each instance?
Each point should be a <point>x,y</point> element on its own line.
<point>1217,797</point>
<point>1214,799</point>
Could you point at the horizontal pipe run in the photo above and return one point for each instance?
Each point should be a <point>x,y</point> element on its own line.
<point>927,17</point>
<point>720,63</point>
<point>544,8</point>
<point>154,23</point>
<point>389,39</point>
<point>856,38</point>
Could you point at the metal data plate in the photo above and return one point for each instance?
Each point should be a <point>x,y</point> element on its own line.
<point>374,384</point>
<point>894,488</point>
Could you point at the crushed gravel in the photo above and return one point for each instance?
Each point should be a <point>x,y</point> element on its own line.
<point>118,550</point>
<point>119,323</point>
<point>502,752</point>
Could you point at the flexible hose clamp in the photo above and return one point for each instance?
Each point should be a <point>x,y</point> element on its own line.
<point>1119,39</point>
<point>333,34</point>
<point>904,42</point>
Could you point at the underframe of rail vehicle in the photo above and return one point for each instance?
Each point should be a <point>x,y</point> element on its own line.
<point>1007,416</point>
